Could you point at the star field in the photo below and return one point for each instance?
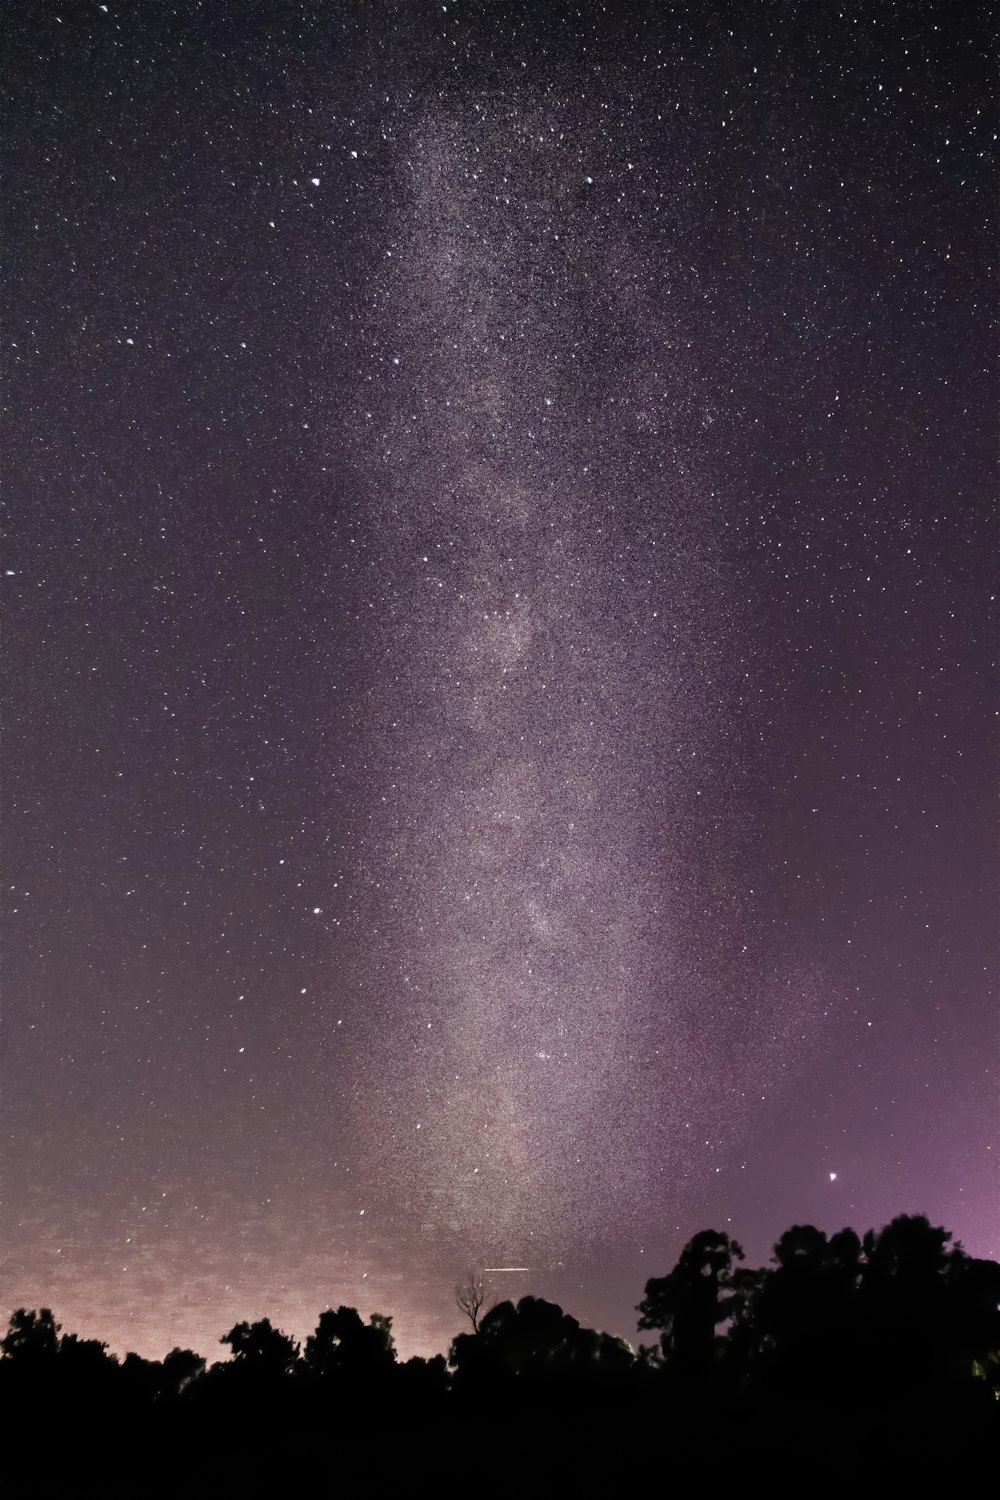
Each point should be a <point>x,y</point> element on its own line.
<point>500,734</point>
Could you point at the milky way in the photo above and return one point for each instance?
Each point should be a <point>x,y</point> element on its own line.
<point>498,759</point>
<point>554,669</point>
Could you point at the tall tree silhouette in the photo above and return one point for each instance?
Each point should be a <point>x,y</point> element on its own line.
<point>804,1312</point>
<point>920,1299</point>
<point>688,1305</point>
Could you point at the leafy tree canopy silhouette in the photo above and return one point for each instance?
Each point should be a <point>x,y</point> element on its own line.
<point>344,1344</point>
<point>689,1304</point>
<point>261,1348</point>
<point>31,1336</point>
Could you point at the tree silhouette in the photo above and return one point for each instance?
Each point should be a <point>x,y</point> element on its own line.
<point>344,1344</point>
<point>688,1305</point>
<point>140,1380</point>
<point>32,1337</point>
<point>974,1297</point>
<point>261,1348</point>
<point>423,1382</point>
<point>84,1359</point>
<point>804,1312</point>
<point>471,1296</point>
<point>179,1368</point>
<point>534,1341</point>
<point>920,1299</point>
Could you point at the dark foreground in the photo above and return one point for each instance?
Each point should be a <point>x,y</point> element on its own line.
<point>516,1449</point>
<point>849,1366</point>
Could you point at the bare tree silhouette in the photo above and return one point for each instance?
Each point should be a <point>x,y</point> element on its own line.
<point>472,1296</point>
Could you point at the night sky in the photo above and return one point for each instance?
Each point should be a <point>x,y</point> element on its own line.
<point>499,746</point>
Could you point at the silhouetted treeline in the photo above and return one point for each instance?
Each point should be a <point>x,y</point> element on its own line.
<point>871,1364</point>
